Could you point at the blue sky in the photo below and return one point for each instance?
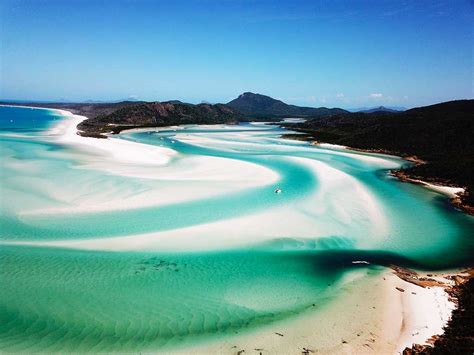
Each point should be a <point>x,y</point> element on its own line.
<point>316,53</point>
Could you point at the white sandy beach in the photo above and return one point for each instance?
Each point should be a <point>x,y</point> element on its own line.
<point>157,169</point>
<point>377,318</point>
<point>445,190</point>
<point>449,191</point>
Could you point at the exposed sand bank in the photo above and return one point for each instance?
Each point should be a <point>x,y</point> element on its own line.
<point>369,315</point>
<point>382,314</point>
<point>156,172</point>
<point>118,150</point>
<point>446,190</point>
<point>331,146</point>
<point>307,219</point>
<point>449,191</point>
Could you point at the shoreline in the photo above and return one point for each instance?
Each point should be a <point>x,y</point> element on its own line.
<point>458,289</point>
<point>436,297</point>
<point>34,107</point>
<point>410,309</point>
<point>156,164</point>
<point>453,291</point>
<point>453,192</point>
<point>383,314</point>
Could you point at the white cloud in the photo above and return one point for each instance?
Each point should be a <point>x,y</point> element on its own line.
<point>340,95</point>
<point>375,96</point>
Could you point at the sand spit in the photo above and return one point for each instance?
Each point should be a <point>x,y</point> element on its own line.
<point>160,175</point>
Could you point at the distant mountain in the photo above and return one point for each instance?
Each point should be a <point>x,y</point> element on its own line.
<point>256,105</point>
<point>380,109</point>
<point>157,114</point>
<point>94,101</point>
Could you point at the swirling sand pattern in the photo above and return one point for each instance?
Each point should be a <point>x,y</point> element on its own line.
<point>104,253</point>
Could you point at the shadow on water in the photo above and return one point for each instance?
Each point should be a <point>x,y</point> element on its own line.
<point>347,259</point>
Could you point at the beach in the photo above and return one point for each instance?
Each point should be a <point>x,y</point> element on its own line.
<point>411,316</point>
<point>304,270</point>
<point>377,318</point>
<point>132,159</point>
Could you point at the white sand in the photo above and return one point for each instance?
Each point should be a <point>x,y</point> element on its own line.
<point>324,212</point>
<point>294,120</point>
<point>416,314</point>
<point>367,316</point>
<point>442,189</point>
<point>331,146</point>
<point>133,154</point>
<point>445,190</point>
<point>118,150</point>
<point>240,141</point>
<point>375,318</point>
<point>169,176</point>
<point>425,311</point>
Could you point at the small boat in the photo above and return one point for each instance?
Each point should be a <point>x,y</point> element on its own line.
<point>361,262</point>
<point>277,191</point>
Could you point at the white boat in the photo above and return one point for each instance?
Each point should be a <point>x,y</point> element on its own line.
<point>277,191</point>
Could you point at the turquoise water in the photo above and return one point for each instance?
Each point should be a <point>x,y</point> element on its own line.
<point>27,120</point>
<point>100,279</point>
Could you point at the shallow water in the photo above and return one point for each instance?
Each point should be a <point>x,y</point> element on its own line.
<point>198,257</point>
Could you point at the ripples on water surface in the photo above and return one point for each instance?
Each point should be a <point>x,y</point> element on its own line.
<point>101,254</point>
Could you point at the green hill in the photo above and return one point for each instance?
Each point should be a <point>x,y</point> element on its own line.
<point>256,105</point>
<point>157,114</point>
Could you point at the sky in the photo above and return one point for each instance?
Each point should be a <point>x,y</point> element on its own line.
<point>347,54</point>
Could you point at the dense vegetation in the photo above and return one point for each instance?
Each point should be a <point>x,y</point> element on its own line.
<point>157,114</point>
<point>442,135</point>
<point>256,105</point>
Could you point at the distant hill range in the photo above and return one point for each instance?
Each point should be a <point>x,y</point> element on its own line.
<point>379,109</point>
<point>117,116</point>
<point>441,134</point>
<point>256,105</point>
